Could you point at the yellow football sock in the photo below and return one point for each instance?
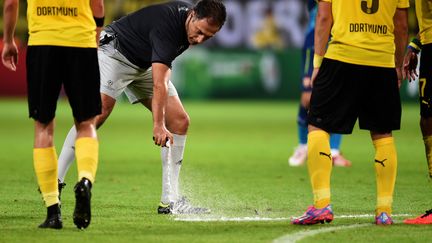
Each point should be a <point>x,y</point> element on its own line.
<point>45,165</point>
<point>87,157</point>
<point>385,168</point>
<point>319,165</point>
<point>428,148</point>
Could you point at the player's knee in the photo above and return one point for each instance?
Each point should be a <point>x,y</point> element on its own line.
<point>86,128</point>
<point>184,122</point>
<point>85,123</point>
<point>180,124</point>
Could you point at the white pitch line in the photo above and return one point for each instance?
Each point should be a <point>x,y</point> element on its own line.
<point>211,219</point>
<point>250,219</point>
<point>290,238</point>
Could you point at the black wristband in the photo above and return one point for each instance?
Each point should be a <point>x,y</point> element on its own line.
<point>99,21</point>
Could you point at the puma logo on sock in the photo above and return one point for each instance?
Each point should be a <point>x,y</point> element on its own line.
<point>380,162</point>
<point>328,155</point>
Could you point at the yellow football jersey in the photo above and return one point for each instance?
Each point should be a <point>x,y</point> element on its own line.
<point>61,23</point>
<point>362,31</point>
<point>424,17</point>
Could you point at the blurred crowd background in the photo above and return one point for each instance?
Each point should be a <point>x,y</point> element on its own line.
<point>255,56</point>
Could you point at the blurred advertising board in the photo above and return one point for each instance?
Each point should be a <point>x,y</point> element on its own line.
<point>221,73</point>
<point>237,73</point>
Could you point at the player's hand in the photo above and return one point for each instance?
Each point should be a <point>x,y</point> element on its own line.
<point>409,70</point>
<point>314,75</point>
<point>10,56</point>
<point>162,137</point>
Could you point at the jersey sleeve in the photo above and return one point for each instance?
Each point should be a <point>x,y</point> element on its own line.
<point>403,4</point>
<point>163,49</point>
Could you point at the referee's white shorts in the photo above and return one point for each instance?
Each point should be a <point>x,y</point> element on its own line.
<point>119,75</point>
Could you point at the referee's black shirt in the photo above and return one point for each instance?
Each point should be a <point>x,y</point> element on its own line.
<point>153,34</point>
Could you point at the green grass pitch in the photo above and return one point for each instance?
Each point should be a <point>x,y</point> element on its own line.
<point>235,163</point>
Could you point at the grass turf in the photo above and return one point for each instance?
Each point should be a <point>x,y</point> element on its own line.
<point>235,163</point>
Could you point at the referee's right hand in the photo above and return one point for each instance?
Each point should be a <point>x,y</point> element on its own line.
<point>162,137</point>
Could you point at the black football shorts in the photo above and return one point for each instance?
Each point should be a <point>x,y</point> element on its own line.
<point>425,81</point>
<point>76,69</point>
<point>343,92</point>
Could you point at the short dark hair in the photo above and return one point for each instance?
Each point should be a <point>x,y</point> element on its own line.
<point>214,10</point>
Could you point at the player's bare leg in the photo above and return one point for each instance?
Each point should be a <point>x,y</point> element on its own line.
<point>45,164</point>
